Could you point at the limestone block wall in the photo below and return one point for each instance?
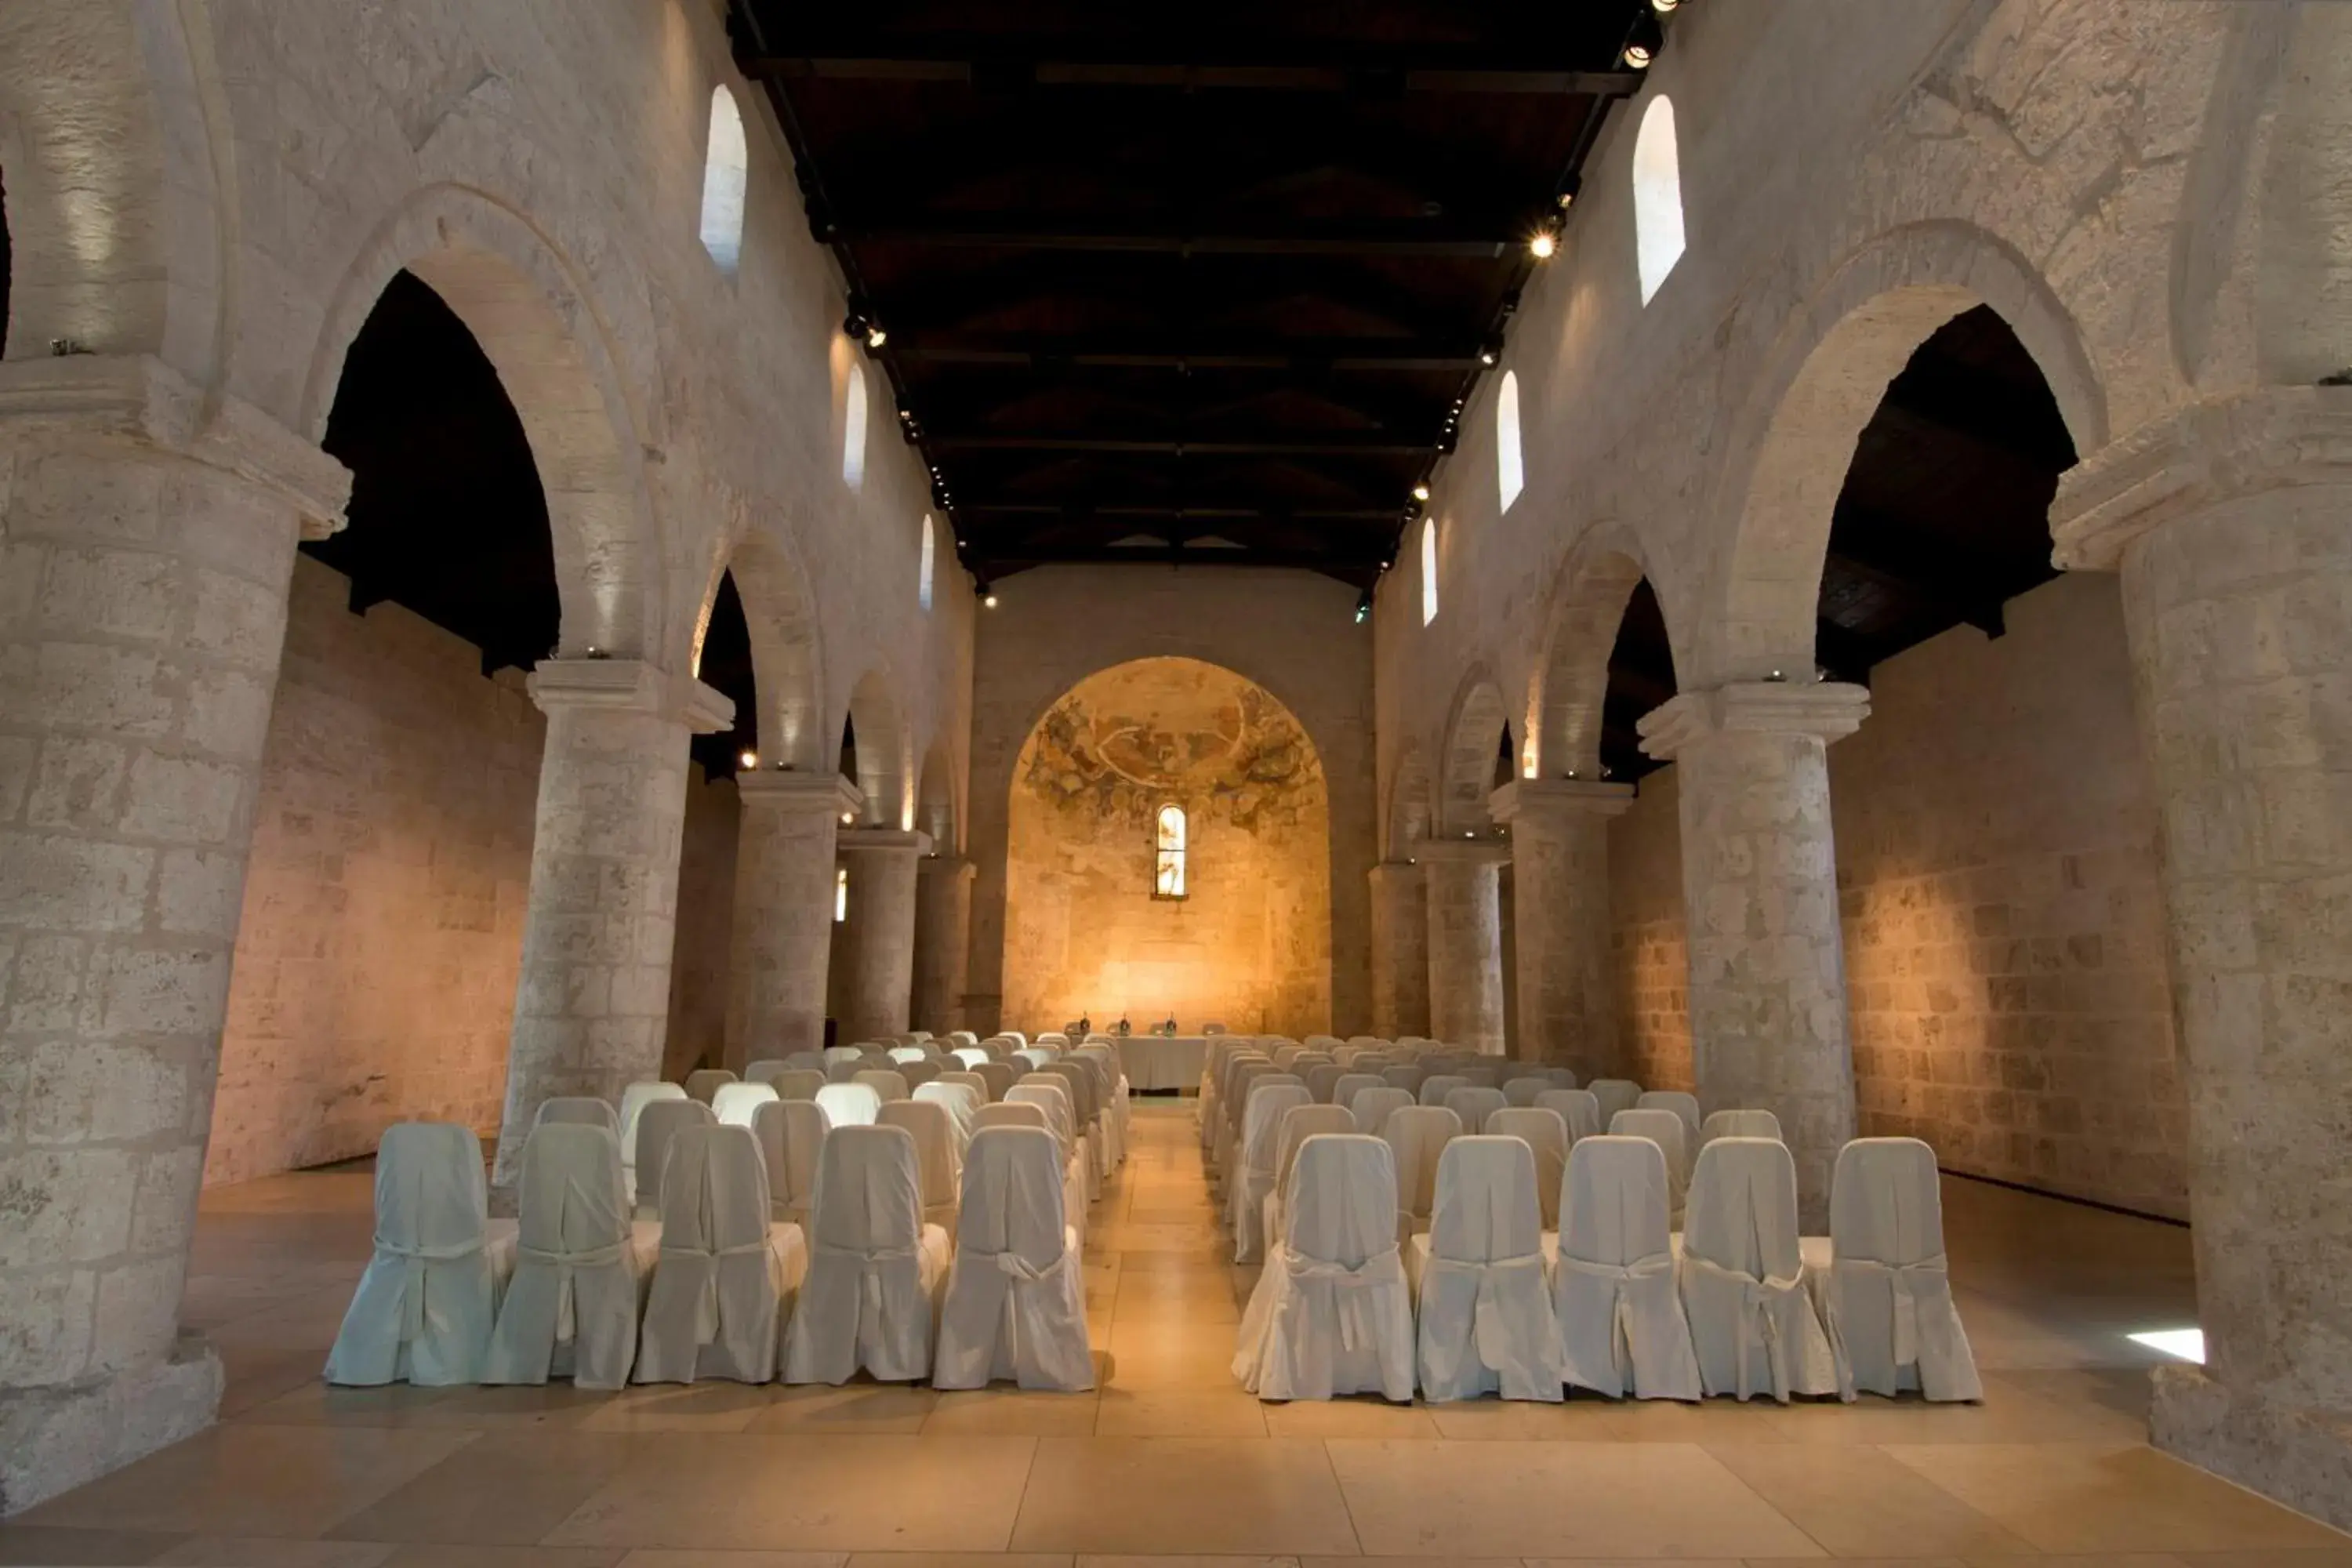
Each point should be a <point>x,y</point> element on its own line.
<point>1648,959</point>
<point>376,957</point>
<point>706,921</point>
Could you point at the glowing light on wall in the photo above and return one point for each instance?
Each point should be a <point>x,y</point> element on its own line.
<point>2185,1344</point>
<point>1428,571</point>
<point>1657,196</point>
<point>853,431</point>
<point>1510,473</point>
<point>840,894</point>
<point>931,554</point>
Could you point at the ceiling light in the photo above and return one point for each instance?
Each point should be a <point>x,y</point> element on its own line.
<point>1569,189</point>
<point>875,336</point>
<point>1420,492</point>
<point>1638,56</point>
<point>749,759</point>
<point>1363,606</point>
<point>1642,44</point>
<point>1487,356</point>
<point>1662,6</point>
<point>848,817</point>
<point>1544,241</point>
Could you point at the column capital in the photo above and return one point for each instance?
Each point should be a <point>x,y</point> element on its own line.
<point>1464,852</point>
<point>2269,438</point>
<point>870,839</point>
<point>1563,797</point>
<point>955,867</point>
<point>1829,709</point>
<point>628,685</point>
<point>140,398</point>
<point>819,794</point>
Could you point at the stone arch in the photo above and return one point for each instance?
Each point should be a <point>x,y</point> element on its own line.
<point>1563,724</point>
<point>935,800</point>
<point>1473,736</point>
<point>1794,437</point>
<point>885,763</point>
<point>788,726</point>
<point>530,310</point>
<point>1409,816</point>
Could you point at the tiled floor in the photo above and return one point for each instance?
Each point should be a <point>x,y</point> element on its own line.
<point>1170,1462</point>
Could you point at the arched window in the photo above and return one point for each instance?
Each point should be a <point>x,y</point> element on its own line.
<point>1170,843</point>
<point>853,433</point>
<point>725,173</point>
<point>1510,474</point>
<point>931,551</point>
<point>1657,196</point>
<point>1428,571</point>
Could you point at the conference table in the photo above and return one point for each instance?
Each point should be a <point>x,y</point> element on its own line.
<point>1163,1061</point>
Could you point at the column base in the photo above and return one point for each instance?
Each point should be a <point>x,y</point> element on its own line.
<point>53,1439</point>
<point>2298,1455</point>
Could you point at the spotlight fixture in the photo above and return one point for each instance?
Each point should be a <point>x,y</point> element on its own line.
<point>1363,606</point>
<point>1545,241</point>
<point>875,336</point>
<point>1420,492</point>
<point>1491,351</point>
<point>1642,44</point>
<point>1662,6</point>
<point>749,759</point>
<point>987,595</point>
<point>1569,190</point>
<point>1638,56</point>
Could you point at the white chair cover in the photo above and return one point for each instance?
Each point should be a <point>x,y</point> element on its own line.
<point>1742,1276</point>
<point>1621,1325</point>
<point>1372,1107</point>
<point>1416,1136</point>
<point>937,1162</point>
<point>1887,1299</point>
<point>1521,1091</point>
<point>970,1056</point>
<point>1666,1129</point>
<point>1331,1314</point>
<point>875,1268</point>
<point>1438,1085</point>
<point>1561,1077</point>
<point>1035,1056</point>
<point>1484,1075</point>
<point>1740,1124</point>
<point>1051,1099</point>
<point>1580,1108</point>
<point>1344,1090</point>
<point>843,1069</point>
<point>703,1083</point>
<point>1682,1103</point>
<point>885,1084</point>
<point>634,1098</point>
<point>1012,1113</point>
<point>797,1083</point>
<point>1406,1075</point>
<point>1485,1307</point>
<point>908,1054</point>
<point>764,1070</point>
<point>1261,1133</point>
<point>842,1054</point>
<point>1015,1302</point>
<point>791,1132</point>
<point>1474,1103</point>
<point>962,1094</point>
<point>572,1303</point>
<point>656,1125</point>
<point>1299,1123</point>
<point>424,1310</point>
<point>1000,1077</point>
<point>736,1104</point>
<point>1614,1094</point>
<point>583,1109</point>
<point>849,1104</point>
<point>726,1274</point>
<point>1546,1136</point>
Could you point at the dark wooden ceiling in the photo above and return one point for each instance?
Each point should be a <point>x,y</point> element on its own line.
<point>1199,283</point>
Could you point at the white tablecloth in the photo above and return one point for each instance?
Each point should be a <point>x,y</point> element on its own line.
<point>1163,1061</point>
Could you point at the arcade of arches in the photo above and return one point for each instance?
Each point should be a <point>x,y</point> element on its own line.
<point>539,553</point>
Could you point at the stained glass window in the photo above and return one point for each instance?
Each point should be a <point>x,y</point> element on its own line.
<point>1169,840</point>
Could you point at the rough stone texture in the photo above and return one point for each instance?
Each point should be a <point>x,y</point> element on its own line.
<point>942,942</point>
<point>1465,944</point>
<point>701,967</point>
<point>782,930</point>
<point>1086,934</point>
<point>1649,959</point>
<point>1760,878</point>
<point>1400,950</point>
<point>1559,914</point>
<point>872,964</point>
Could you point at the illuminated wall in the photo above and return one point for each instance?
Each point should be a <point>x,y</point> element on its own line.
<point>1249,944</point>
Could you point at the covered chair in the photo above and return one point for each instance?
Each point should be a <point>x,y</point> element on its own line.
<point>887,1083</point>
<point>585,1109</point>
<point>1886,1295</point>
<point>1438,1085</point>
<point>908,1054</point>
<point>842,1054</point>
<point>791,1132</point>
<point>1561,1077</point>
<point>1681,1102</point>
<point>1299,1123</point>
<point>1621,1321</point>
<point>918,1074</point>
<point>936,1165</point>
<point>703,1083</point>
<point>841,1069</point>
<point>726,1273</point>
<point>1051,1100</point>
<point>764,1070</point>
<point>1343,1091</point>
<point>1323,1080</point>
<point>806,1061</point>
<point>968,1056</point>
<point>1578,1107</point>
<point>797,1083</point>
<point>959,1101</point>
<point>1614,1094</point>
<point>1474,1103</point>
<point>656,1125</point>
<point>1372,1107</point>
<point>969,1079</point>
<point>736,1103</point>
<point>1484,1305</point>
<point>1254,1179</point>
<point>1035,1056</point>
<point>1000,1077</point>
<point>1665,1128</point>
<point>1331,1314</point>
<point>1546,1136</point>
<point>1522,1090</point>
<point>634,1098</point>
<point>1742,1276</point>
<point>1016,1304</point>
<point>875,1268</point>
<point>1482,1075</point>
<point>1012,1113</point>
<point>570,1309</point>
<point>1406,1075</point>
<point>848,1104</point>
<point>424,1310</point>
<point>1740,1124</point>
<point>1416,1136</point>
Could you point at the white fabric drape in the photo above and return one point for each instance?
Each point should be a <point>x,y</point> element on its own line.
<point>1299,1123</point>
<point>1372,1107</point>
<point>1681,1102</point>
<point>849,1104</point>
<point>1666,1129</point>
<point>875,1268</point>
<point>736,1103</point>
<point>1438,1085</point>
<point>1474,1103</point>
<point>1546,1136</point>
<point>656,1125</point>
<point>1612,1095</point>
<point>577,1265</point>
<point>961,1101</point>
<point>790,1131</point>
<point>1485,1307</point>
<point>888,1085</point>
<point>937,1161</point>
<point>1254,1178</point>
<point>1740,1124</point>
<point>1416,1136</point>
<point>1015,1304</point>
<point>725,1277</point>
<point>1521,1091</point>
<point>578,1108</point>
<point>1621,1325</point>
<point>1576,1107</point>
<point>1743,1279</point>
<point>797,1083</point>
<point>424,1310</point>
<point>1887,1301</point>
<point>703,1083</point>
<point>634,1098</point>
<point>1331,1314</point>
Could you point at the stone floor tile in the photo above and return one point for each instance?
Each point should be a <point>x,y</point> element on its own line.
<point>1863,1503</point>
<point>1179,1413</point>
<point>1150,1495</point>
<point>505,1488</point>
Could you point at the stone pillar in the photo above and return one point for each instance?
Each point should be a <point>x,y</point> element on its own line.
<point>875,946</point>
<point>147,536</point>
<point>1465,944</point>
<point>592,1000</point>
<point>2232,525</point>
<point>942,941</point>
<point>1560,863</point>
<point>1767,1006</point>
<point>783,911</point>
<point>1400,950</point>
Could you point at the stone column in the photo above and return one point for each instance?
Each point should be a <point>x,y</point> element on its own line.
<point>147,536</point>
<point>1400,950</point>
<point>1767,1006</point>
<point>783,911</point>
<point>1560,863</point>
<point>2232,525</point>
<point>592,1000</point>
<point>942,941</point>
<point>875,945</point>
<point>1465,944</point>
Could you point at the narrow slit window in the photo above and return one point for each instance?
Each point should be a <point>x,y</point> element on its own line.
<point>725,172</point>
<point>1510,473</point>
<point>1172,845</point>
<point>1428,571</point>
<point>931,555</point>
<point>1657,196</point>
<point>840,894</point>
<point>853,431</point>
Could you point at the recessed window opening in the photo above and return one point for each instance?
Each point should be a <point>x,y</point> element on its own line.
<point>1172,845</point>
<point>1657,196</point>
<point>1510,473</point>
<point>853,433</point>
<point>1428,571</point>
<point>930,555</point>
<point>725,175</point>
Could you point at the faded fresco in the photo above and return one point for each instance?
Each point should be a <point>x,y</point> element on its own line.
<point>1249,943</point>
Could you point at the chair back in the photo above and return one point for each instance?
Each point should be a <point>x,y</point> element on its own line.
<point>1474,1103</point>
<point>842,1054</point>
<point>656,1125</point>
<point>841,1069</point>
<point>634,1098</point>
<point>1614,1094</point>
<point>968,1056</point>
<point>1522,1090</point>
<point>1285,1055</point>
<point>1012,1197</point>
<point>918,1074</point>
<point>764,1070</point>
<point>797,1083</point>
<point>1262,1123</point>
<point>1578,1107</point>
<point>934,1147</point>
<point>1738,1124</point>
<point>1485,1208</point>
<point>1323,1081</point>
<point>429,1192</point>
<point>1484,1075</point>
<point>1406,1075</point>
<point>1741,1214</point>
<point>1438,1085</point>
<point>1371,1107</point>
<point>703,1083</point>
<point>1081,1081</point>
<point>1416,1136</point>
<point>1339,1204</point>
<point>1052,1096</point>
<point>1035,1056</point>
<point>1561,1077</point>
<point>1299,1123</point>
<point>1614,1209</point>
<point>1886,1202</point>
<point>585,1109</point>
<point>1012,1113</point>
<point>1665,1128</point>
<point>1681,1102</point>
<point>887,1084</point>
<point>908,1054</point>
<point>1000,1077</point>
<point>849,1104</point>
<point>569,1198</point>
<point>715,1194</point>
<point>868,1192</point>
<point>1344,1090</point>
<point>1546,1136</point>
<point>963,1077</point>
<point>736,1103</point>
<point>790,1131</point>
<point>806,1061</point>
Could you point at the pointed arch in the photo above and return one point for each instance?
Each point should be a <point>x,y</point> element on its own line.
<point>885,751</point>
<point>1564,718</point>
<point>726,178</point>
<point>787,674</point>
<point>1657,196</point>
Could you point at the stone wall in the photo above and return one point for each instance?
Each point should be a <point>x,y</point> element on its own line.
<point>706,924</point>
<point>1647,955</point>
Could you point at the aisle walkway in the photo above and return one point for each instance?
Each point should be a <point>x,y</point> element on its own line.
<point>1170,1460</point>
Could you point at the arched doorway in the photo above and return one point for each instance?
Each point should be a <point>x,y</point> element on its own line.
<point>1169,856</point>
